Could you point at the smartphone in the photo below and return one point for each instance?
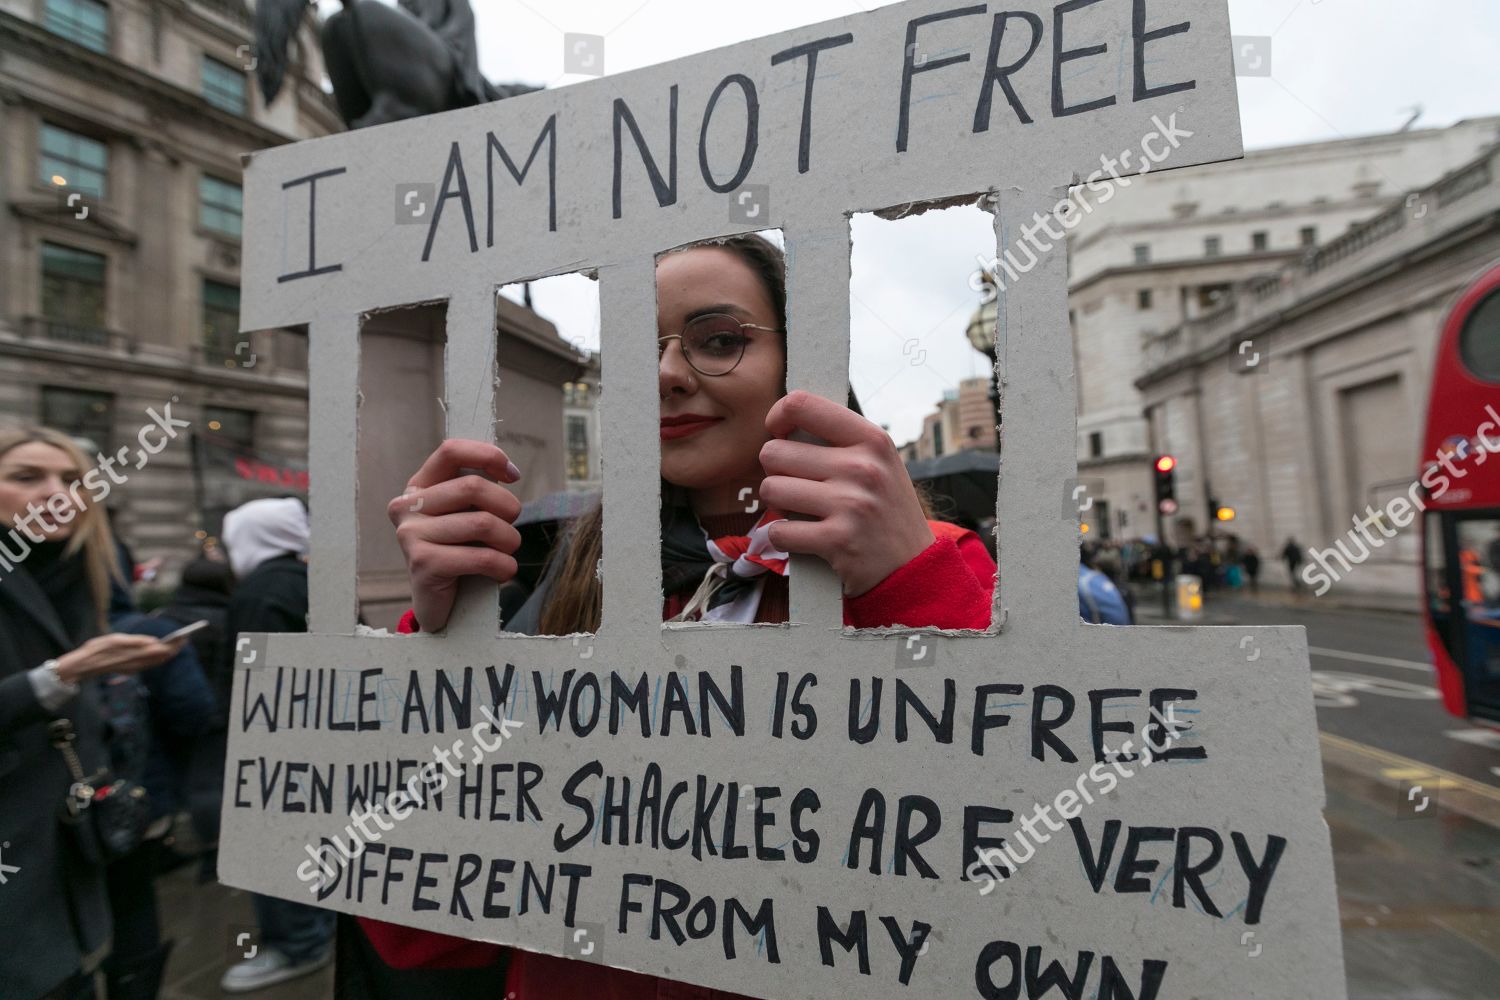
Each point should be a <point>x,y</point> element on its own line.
<point>186,631</point>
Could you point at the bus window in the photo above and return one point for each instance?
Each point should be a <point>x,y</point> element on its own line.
<point>1479,574</point>
<point>1439,594</point>
<point>1479,344</point>
<point>1479,565</point>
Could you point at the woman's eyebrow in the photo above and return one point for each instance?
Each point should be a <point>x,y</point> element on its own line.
<point>723,307</point>
<point>10,468</point>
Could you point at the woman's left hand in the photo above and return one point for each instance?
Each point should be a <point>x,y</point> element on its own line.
<point>869,520</point>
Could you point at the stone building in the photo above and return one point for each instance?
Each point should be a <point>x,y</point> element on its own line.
<point>120,236</point>
<point>963,421</point>
<point>1167,248</point>
<point>1300,397</point>
<point>125,123</point>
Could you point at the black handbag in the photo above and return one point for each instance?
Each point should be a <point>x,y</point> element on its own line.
<point>106,816</point>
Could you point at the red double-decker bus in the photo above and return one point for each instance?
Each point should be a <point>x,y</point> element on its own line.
<point>1461,523</point>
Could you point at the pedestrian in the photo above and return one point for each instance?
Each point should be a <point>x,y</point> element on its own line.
<point>1099,600</point>
<point>267,543</point>
<point>897,565</point>
<point>202,594</point>
<point>1251,563</point>
<point>162,712</point>
<point>1291,554</point>
<point>55,576</point>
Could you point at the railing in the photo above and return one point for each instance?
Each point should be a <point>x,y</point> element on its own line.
<point>1359,237</point>
<point>66,332</point>
<point>1464,183</point>
<point>230,10</point>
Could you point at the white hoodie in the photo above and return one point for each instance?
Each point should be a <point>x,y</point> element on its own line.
<point>263,529</point>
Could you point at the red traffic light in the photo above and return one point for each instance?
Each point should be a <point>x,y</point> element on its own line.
<point>1166,463</point>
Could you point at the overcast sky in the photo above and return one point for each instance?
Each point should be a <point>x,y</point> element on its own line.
<point>1339,68</point>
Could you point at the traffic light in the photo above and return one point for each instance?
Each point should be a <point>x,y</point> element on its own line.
<point>1224,513</point>
<point>1166,484</point>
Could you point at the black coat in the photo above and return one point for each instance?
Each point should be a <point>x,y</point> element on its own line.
<point>271,598</point>
<point>55,890</point>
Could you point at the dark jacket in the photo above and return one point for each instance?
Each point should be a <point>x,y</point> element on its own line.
<point>271,598</point>
<point>54,915</point>
<point>203,595</point>
<point>180,709</point>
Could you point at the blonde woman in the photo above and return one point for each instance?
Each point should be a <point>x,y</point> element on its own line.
<point>56,562</point>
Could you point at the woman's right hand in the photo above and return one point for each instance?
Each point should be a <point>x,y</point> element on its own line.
<point>451,525</point>
<point>115,653</point>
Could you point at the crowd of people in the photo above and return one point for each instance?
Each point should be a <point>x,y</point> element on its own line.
<point>1223,562</point>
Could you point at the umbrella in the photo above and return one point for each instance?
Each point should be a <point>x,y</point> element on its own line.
<point>968,480</point>
<point>565,506</point>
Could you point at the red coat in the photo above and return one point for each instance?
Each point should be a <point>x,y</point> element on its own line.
<point>949,585</point>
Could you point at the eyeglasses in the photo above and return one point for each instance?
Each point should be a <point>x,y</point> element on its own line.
<point>713,343</point>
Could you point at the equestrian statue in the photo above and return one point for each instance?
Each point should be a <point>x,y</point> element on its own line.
<point>387,63</point>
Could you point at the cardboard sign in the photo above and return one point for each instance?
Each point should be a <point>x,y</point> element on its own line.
<point>785,811</point>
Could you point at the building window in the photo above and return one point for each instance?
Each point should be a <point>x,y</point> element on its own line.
<point>221,322</point>
<point>576,394</point>
<point>1309,236</point>
<point>1142,253</point>
<point>578,448</point>
<point>83,21</point>
<point>1096,444</point>
<point>223,86</point>
<point>73,295</point>
<point>220,205</point>
<point>1212,246</point>
<point>1260,241</point>
<point>236,426</point>
<point>1210,296</point>
<point>81,414</point>
<point>1143,299</point>
<point>73,161</point>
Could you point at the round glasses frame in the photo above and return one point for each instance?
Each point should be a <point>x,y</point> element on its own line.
<point>682,340</point>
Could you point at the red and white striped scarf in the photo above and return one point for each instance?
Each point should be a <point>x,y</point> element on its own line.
<point>732,582</point>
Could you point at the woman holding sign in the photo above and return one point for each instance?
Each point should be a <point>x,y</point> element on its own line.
<point>726,424</point>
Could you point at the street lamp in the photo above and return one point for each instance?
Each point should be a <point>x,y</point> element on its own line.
<point>982,336</point>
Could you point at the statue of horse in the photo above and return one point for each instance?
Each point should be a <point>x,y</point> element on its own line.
<point>386,63</point>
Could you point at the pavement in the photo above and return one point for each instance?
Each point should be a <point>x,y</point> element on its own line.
<point>1413,798</point>
<point>205,922</point>
<point>1418,873</point>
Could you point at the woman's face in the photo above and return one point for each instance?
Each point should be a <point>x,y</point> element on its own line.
<point>723,456</point>
<point>32,474</point>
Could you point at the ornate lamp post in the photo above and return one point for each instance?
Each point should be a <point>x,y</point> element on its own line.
<point>982,337</point>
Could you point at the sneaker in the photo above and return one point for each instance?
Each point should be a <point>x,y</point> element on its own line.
<point>268,968</point>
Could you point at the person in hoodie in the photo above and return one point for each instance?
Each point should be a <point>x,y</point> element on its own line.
<point>726,423</point>
<point>267,545</point>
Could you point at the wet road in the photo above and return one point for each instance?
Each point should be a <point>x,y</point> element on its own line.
<point>1413,806</point>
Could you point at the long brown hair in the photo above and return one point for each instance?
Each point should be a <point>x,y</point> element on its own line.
<point>576,600</point>
<point>92,535</point>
